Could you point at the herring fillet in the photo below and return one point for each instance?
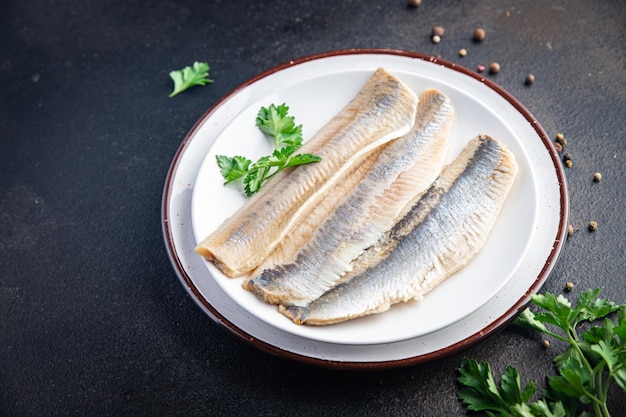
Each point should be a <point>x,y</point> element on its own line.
<point>382,110</point>
<point>441,233</point>
<point>353,217</point>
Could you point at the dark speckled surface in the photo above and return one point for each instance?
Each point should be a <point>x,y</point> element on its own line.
<point>93,320</point>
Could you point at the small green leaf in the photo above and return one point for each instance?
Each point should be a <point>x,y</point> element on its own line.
<point>521,410</point>
<point>266,162</point>
<point>481,393</point>
<point>602,308</point>
<point>511,386</point>
<point>558,309</point>
<point>594,334</point>
<point>302,159</point>
<point>573,380</point>
<point>584,303</point>
<point>284,154</point>
<point>550,318</point>
<point>529,391</point>
<point>542,408</point>
<point>232,168</point>
<point>527,319</point>
<point>252,183</point>
<point>607,353</point>
<point>273,121</point>
<point>292,137</point>
<point>570,353</point>
<point>562,385</point>
<point>590,308</point>
<point>188,77</point>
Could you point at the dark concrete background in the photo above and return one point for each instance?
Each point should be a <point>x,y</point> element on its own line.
<point>93,320</point>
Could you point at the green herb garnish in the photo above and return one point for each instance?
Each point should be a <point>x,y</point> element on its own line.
<point>274,122</point>
<point>190,76</point>
<point>592,362</point>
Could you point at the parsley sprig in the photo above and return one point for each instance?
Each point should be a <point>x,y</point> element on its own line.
<point>274,122</point>
<point>187,77</point>
<point>593,360</point>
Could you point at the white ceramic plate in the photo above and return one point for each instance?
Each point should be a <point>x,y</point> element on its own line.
<point>491,289</point>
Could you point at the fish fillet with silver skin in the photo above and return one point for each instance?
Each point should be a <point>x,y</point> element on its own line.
<point>316,255</point>
<point>383,110</point>
<point>441,233</point>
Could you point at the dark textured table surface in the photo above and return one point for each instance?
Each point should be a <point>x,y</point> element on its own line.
<point>93,319</point>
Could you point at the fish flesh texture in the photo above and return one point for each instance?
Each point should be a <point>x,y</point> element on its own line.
<point>317,253</point>
<point>384,109</point>
<point>276,288</point>
<point>440,234</point>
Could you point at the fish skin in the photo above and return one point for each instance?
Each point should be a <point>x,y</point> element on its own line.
<point>383,110</point>
<point>316,255</point>
<point>442,232</point>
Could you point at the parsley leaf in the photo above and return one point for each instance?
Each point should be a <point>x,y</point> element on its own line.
<point>190,76</point>
<point>481,393</point>
<point>275,122</point>
<point>233,168</point>
<point>592,361</point>
<point>302,159</point>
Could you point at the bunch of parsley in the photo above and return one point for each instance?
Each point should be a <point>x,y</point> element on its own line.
<point>274,122</point>
<point>593,360</point>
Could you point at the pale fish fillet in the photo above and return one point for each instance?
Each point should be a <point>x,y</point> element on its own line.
<point>442,232</point>
<point>357,212</point>
<point>384,109</point>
